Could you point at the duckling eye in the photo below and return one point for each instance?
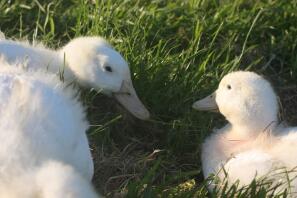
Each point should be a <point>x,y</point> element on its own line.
<point>229,87</point>
<point>108,68</point>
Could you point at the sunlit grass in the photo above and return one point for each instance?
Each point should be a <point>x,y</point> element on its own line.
<point>178,51</point>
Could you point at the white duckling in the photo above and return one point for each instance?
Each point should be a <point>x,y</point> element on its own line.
<point>43,128</point>
<point>253,143</point>
<point>90,61</point>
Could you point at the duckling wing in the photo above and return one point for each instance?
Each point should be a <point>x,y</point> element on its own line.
<point>255,164</point>
<point>285,147</point>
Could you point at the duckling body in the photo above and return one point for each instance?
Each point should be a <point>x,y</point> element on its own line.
<point>253,143</point>
<point>44,119</point>
<point>51,179</point>
<point>42,122</point>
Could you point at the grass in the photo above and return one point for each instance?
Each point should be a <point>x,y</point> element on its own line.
<point>178,51</point>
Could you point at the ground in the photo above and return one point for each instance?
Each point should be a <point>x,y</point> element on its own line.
<point>178,51</point>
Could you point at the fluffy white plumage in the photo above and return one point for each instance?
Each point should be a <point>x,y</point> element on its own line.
<point>90,61</point>
<point>253,143</point>
<point>51,179</point>
<point>43,128</point>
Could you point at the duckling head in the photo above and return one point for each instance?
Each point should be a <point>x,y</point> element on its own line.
<point>245,99</point>
<point>95,64</point>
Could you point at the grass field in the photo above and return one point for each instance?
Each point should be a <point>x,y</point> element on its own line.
<point>178,51</point>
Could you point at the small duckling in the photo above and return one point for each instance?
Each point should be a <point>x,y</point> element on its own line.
<point>253,143</point>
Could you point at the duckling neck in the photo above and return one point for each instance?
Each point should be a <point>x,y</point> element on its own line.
<point>64,68</point>
<point>55,63</point>
<point>35,57</point>
<point>251,130</point>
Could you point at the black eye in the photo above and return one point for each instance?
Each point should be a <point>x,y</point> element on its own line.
<point>228,86</point>
<point>108,68</point>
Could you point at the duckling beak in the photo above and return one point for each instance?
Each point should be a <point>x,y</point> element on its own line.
<point>127,97</point>
<point>207,104</point>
